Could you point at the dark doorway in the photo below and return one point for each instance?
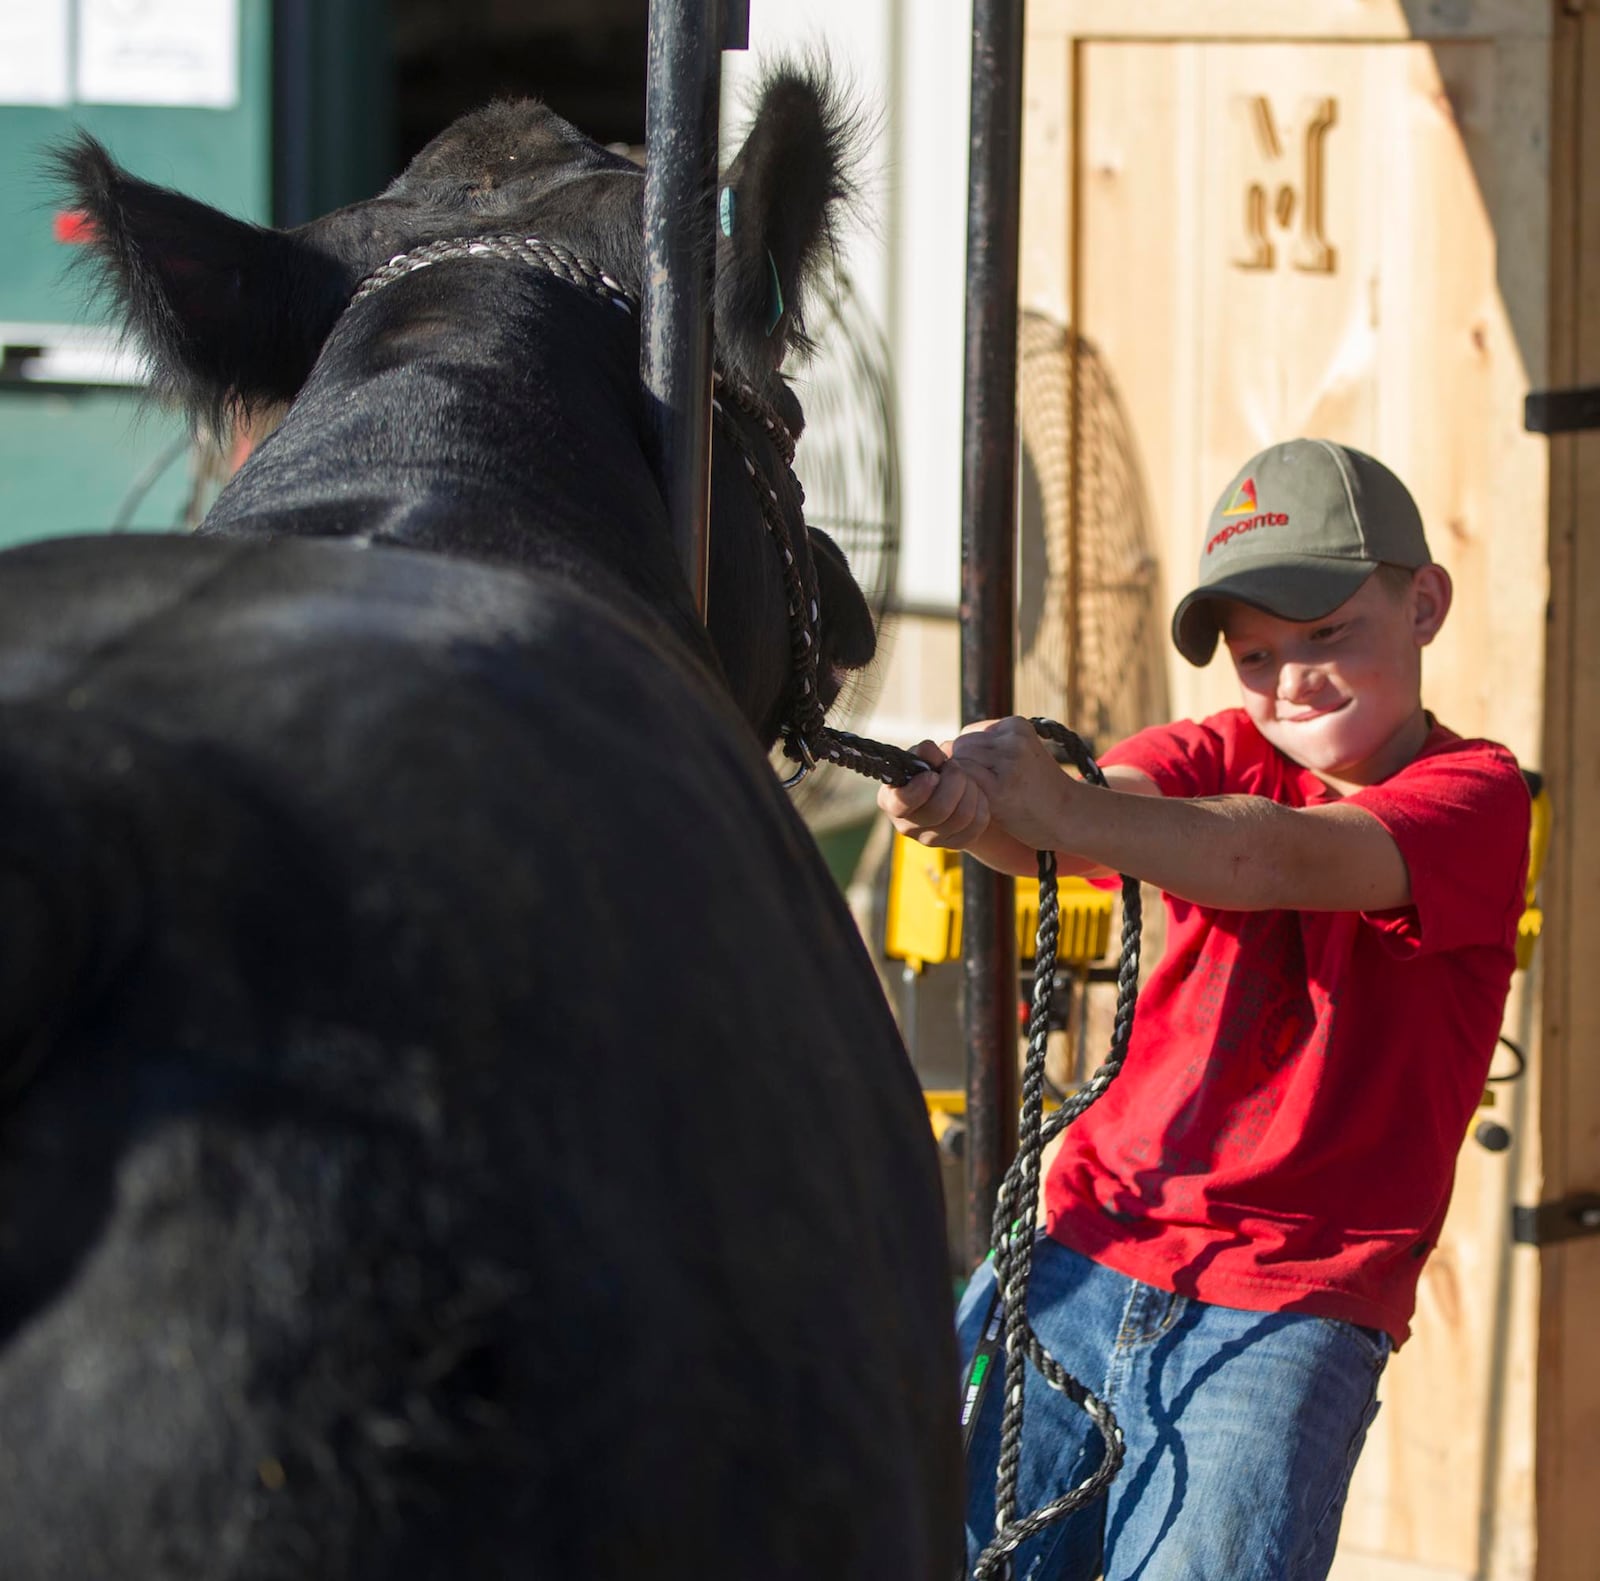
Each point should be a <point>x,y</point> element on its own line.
<point>585,58</point>
<point>360,85</point>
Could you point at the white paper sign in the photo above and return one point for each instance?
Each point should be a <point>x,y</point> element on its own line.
<point>174,52</point>
<point>33,52</point>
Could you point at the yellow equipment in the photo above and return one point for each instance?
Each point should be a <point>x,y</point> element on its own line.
<point>922,922</point>
<point>1532,921</point>
<point>922,927</point>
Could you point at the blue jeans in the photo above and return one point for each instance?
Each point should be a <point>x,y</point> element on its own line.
<point>1242,1430</point>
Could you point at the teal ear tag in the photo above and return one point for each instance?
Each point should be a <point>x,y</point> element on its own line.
<point>776,311</point>
<point>725,211</point>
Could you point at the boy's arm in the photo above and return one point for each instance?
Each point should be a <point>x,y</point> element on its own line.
<point>948,808</point>
<point>1235,853</point>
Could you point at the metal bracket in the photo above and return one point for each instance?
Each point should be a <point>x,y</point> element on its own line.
<point>1567,411</point>
<point>1564,1220</point>
<point>72,354</point>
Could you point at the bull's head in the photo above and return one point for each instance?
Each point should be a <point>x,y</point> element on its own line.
<point>235,317</point>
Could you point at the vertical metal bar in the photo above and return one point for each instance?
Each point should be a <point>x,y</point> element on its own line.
<point>333,110</point>
<point>292,202</point>
<point>1076,375</point>
<point>988,580</point>
<point>682,100</point>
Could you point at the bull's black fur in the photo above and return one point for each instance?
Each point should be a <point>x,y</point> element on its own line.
<point>448,1124</point>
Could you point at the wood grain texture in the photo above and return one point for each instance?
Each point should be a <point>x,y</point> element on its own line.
<point>1569,1369</point>
<point>1309,20</point>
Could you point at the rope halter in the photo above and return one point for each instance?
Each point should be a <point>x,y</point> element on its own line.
<point>806,738</point>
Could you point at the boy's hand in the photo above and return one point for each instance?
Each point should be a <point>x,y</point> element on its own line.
<point>1024,788</point>
<point>941,807</point>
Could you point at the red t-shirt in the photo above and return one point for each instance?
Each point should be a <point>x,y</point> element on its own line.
<point>1283,1136</point>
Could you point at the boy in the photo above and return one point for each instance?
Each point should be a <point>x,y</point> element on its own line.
<point>1234,1232</point>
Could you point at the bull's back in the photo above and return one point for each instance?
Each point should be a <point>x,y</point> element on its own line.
<point>465,1136</point>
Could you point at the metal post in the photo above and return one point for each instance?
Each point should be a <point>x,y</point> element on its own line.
<point>332,106</point>
<point>988,580</point>
<point>292,93</point>
<point>682,101</point>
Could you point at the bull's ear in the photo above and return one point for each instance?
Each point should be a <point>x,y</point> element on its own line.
<point>230,314</point>
<point>774,217</point>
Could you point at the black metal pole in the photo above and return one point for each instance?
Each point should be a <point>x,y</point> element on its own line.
<point>682,101</point>
<point>988,581</point>
<point>292,55</point>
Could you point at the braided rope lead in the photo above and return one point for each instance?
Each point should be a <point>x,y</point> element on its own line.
<point>1017,1207</point>
<point>1017,1204</point>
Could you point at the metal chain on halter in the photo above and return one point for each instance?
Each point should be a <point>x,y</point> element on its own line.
<point>548,256</point>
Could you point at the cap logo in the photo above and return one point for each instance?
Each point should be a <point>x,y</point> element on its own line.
<point>1231,530</point>
<point>1244,500</point>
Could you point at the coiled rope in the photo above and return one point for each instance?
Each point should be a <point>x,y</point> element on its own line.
<point>1017,1207</point>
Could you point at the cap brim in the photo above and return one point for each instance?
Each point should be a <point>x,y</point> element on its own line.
<point>1292,589</point>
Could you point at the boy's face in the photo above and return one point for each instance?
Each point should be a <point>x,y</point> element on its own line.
<point>1341,696</point>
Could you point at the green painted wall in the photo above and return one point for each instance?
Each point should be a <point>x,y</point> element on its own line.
<point>70,456</point>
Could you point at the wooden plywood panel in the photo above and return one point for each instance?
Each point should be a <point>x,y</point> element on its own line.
<point>1136,306</point>
<point>1048,110</point>
<point>1569,1368</point>
<point>1360,302</point>
<point>1134,107</point>
<point>1352,1565</point>
<point>1454,369</point>
<point>1310,20</point>
<point>1287,258</point>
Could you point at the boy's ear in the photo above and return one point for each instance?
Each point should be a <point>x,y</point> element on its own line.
<point>231,314</point>
<point>774,228</point>
<point>1431,594</point>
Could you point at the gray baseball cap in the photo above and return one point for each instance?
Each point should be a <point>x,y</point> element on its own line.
<point>1296,533</point>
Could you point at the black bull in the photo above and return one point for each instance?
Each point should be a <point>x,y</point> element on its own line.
<point>449,1126</point>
